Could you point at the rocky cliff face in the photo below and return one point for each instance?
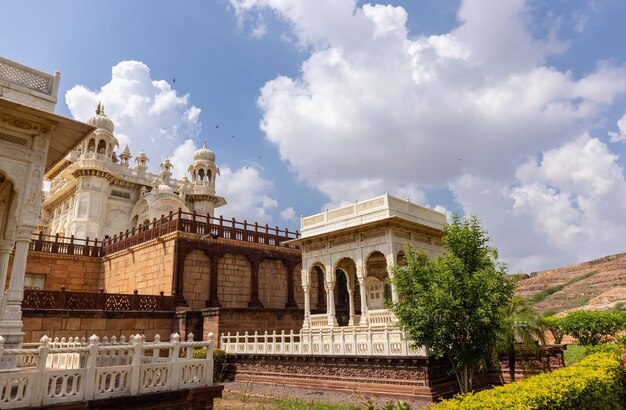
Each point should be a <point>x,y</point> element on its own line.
<point>594,285</point>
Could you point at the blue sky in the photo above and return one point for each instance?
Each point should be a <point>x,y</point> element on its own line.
<point>499,108</point>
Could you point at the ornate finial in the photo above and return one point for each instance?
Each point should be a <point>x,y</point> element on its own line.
<point>98,108</point>
<point>102,109</point>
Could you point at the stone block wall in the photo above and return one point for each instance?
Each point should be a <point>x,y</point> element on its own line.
<point>197,279</point>
<point>273,284</point>
<point>66,323</point>
<point>146,267</point>
<point>224,320</point>
<point>234,281</point>
<point>76,273</point>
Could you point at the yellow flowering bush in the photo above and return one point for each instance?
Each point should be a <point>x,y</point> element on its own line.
<point>595,382</point>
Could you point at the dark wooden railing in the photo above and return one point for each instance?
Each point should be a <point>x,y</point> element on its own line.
<point>52,299</point>
<point>205,225</point>
<point>66,246</point>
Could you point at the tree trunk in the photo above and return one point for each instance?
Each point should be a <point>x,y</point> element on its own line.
<point>511,359</point>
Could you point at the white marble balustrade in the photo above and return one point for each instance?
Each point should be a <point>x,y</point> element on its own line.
<point>66,371</point>
<point>330,341</point>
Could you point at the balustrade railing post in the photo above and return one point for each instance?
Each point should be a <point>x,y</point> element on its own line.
<point>134,300</point>
<point>256,342</point>
<point>62,298</point>
<point>40,387</point>
<point>179,220</point>
<point>386,341</point>
<point>161,301</point>
<point>370,341</point>
<point>70,248</point>
<point>291,344</point>
<point>282,341</point>
<point>136,364</point>
<point>209,359</point>
<point>245,342</point>
<point>39,242</point>
<point>101,303</point>
<point>90,378</point>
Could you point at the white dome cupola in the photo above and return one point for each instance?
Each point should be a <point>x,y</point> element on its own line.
<point>100,143</point>
<point>203,170</point>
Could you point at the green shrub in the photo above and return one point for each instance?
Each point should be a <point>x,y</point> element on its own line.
<point>553,324</point>
<point>595,382</point>
<point>219,362</point>
<point>589,327</point>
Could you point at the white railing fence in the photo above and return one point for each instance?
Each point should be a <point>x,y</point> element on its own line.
<point>65,371</point>
<point>335,341</point>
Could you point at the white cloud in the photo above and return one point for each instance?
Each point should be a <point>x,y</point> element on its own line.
<point>620,135</point>
<point>377,110</point>
<point>569,205</point>
<point>148,114</point>
<point>288,214</point>
<point>246,193</point>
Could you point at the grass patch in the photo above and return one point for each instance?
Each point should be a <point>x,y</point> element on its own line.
<point>574,353</point>
<point>298,404</point>
<point>540,296</point>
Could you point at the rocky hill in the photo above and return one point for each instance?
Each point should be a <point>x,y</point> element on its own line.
<point>593,285</point>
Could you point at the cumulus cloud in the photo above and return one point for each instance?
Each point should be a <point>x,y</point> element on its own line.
<point>376,110</point>
<point>246,192</point>
<point>288,214</point>
<point>568,205</point>
<point>149,115</point>
<point>620,135</point>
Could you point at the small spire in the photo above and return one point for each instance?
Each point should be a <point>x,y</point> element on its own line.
<point>103,109</point>
<point>98,108</point>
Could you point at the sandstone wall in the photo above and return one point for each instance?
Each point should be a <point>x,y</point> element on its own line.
<point>197,279</point>
<point>234,281</point>
<point>221,320</point>
<point>76,273</point>
<point>273,284</point>
<point>146,267</point>
<point>56,323</point>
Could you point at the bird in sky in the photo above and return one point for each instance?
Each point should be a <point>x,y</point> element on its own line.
<point>217,126</point>
<point>174,80</point>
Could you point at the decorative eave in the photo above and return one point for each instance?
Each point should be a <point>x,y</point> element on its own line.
<point>351,231</point>
<point>65,133</point>
<point>217,200</point>
<point>59,197</point>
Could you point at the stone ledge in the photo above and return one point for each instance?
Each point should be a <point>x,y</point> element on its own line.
<point>200,398</point>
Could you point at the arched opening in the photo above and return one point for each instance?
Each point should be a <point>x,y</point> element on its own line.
<point>91,146</point>
<point>377,282</point>
<point>200,175</point>
<point>7,196</point>
<point>346,294</point>
<point>316,278</point>
<point>102,147</point>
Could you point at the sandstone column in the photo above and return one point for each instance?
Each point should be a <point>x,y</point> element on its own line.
<point>215,257</point>
<point>350,282</point>
<point>330,309</point>
<point>361,277</point>
<point>307,306</point>
<point>11,304</point>
<point>5,252</point>
<point>291,267</point>
<point>255,262</point>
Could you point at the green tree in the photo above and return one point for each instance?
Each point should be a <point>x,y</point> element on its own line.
<point>453,305</point>
<point>553,324</point>
<point>590,326</point>
<point>521,327</point>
